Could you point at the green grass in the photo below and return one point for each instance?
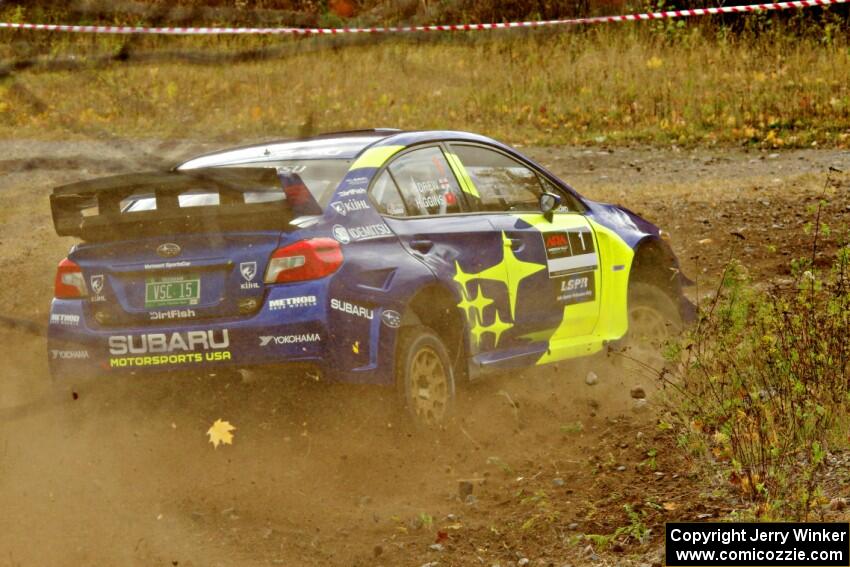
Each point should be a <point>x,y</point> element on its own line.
<point>695,85</point>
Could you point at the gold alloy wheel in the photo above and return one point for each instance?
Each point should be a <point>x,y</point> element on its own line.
<point>429,386</point>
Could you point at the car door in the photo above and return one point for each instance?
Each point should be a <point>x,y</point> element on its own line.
<point>428,209</point>
<point>552,265</point>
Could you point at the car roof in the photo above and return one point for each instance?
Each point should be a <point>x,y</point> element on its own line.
<point>335,145</point>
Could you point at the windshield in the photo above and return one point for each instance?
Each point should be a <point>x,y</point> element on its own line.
<point>319,176</point>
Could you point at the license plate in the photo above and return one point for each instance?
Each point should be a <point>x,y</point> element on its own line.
<point>172,291</point>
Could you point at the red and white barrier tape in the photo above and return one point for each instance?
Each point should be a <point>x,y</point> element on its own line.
<point>403,29</point>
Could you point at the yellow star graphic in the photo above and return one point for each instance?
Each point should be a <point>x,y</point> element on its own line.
<point>511,271</point>
<point>465,304</point>
<point>462,278</point>
<point>479,303</point>
<point>517,271</point>
<point>497,328</point>
<point>476,331</point>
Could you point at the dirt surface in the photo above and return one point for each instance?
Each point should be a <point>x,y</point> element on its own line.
<point>330,475</point>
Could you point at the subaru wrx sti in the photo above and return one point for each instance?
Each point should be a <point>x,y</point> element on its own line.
<point>420,259</point>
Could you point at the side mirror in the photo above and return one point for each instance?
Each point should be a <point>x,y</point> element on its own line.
<point>548,203</point>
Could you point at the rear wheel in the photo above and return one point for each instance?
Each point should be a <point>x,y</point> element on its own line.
<point>424,376</point>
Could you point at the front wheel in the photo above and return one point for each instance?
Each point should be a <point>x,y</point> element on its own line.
<point>653,320</point>
<point>424,376</point>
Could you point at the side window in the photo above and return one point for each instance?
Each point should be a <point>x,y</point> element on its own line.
<point>386,196</point>
<point>426,183</point>
<point>569,204</point>
<point>503,183</point>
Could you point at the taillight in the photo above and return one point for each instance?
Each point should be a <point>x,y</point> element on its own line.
<point>69,281</point>
<point>304,260</point>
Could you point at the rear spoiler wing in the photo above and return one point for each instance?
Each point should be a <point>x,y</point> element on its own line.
<point>93,210</point>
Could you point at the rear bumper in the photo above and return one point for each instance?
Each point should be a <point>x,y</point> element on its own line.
<point>283,332</point>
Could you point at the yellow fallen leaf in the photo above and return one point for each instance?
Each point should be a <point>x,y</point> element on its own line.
<point>220,432</point>
<point>670,506</point>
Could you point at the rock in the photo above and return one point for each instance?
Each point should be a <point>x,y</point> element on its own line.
<point>621,468</point>
<point>464,489</point>
<point>573,526</point>
<point>591,379</point>
<point>523,562</point>
<point>436,547</point>
<point>638,393</point>
<point>558,482</point>
<point>640,405</point>
<point>431,564</point>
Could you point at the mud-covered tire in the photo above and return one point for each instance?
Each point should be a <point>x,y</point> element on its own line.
<point>425,378</point>
<point>653,320</point>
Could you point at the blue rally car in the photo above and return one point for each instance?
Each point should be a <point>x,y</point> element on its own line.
<point>420,259</point>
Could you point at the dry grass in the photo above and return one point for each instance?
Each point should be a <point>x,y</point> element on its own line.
<point>610,85</point>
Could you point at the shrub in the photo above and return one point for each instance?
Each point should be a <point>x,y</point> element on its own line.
<point>762,389</point>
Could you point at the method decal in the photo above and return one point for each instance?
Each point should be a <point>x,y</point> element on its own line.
<point>569,251</point>
<point>292,302</point>
<point>64,319</point>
